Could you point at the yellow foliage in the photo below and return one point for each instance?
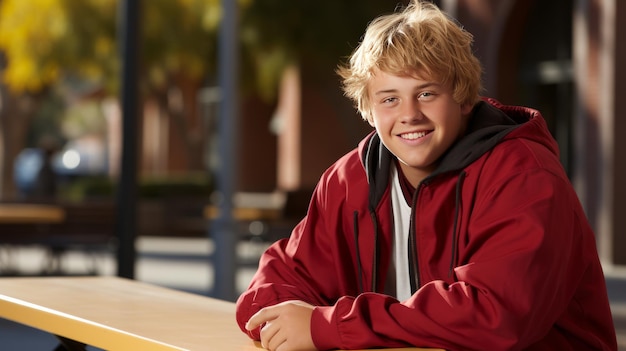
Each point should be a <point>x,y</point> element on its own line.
<point>46,40</point>
<point>28,31</point>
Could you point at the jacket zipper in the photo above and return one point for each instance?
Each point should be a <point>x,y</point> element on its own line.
<point>376,253</point>
<point>414,274</point>
<point>455,226</point>
<point>413,248</point>
<point>355,223</point>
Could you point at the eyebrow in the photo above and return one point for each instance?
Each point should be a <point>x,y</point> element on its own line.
<point>419,87</point>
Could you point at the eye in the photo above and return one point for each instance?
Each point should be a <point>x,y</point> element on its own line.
<point>389,100</point>
<point>426,96</point>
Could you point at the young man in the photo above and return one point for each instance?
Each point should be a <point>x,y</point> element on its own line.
<point>453,225</point>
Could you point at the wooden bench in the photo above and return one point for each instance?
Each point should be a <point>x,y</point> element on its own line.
<point>87,227</point>
<point>121,314</point>
<point>31,213</point>
<point>266,220</point>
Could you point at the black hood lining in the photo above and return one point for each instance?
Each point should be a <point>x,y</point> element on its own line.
<point>376,160</point>
<point>487,127</point>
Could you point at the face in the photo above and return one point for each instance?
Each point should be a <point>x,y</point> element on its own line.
<point>417,120</point>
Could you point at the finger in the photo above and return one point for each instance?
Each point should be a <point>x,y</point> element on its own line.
<point>262,316</point>
<point>268,332</point>
<point>275,338</point>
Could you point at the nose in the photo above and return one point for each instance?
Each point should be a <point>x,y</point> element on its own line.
<point>411,112</point>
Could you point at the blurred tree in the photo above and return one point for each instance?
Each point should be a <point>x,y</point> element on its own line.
<point>73,42</point>
<point>47,120</point>
<point>46,41</point>
<point>276,33</point>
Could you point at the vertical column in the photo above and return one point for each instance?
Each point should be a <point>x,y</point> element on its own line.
<point>287,125</point>
<point>127,185</point>
<point>223,228</point>
<point>585,37</point>
<point>606,70</point>
<point>599,84</point>
<point>587,127</point>
<point>618,89</point>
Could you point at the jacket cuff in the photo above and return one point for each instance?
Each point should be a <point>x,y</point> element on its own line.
<point>324,331</point>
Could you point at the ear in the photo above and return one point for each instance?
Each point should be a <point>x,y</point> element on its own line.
<point>466,109</point>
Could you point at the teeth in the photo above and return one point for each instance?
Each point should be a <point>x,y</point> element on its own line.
<point>412,136</point>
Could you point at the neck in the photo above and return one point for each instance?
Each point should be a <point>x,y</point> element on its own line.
<point>414,176</point>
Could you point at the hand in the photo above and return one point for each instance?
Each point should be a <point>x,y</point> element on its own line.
<point>285,326</point>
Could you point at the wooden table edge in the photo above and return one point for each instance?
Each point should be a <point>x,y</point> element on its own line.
<point>100,335</point>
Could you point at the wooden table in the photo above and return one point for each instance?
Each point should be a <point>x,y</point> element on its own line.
<point>121,314</point>
<point>30,213</point>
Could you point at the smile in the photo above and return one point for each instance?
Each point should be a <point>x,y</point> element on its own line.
<point>413,136</point>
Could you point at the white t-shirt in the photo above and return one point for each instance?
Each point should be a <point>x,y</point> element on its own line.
<point>401,224</point>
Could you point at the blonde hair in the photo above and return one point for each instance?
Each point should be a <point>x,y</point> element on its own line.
<point>421,38</point>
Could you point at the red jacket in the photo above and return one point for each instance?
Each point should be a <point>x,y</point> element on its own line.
<point>504,257</point>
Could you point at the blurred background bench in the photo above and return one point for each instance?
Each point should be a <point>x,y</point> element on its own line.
<point>88,226</point>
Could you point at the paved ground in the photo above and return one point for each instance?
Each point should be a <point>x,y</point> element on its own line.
<point>184,264</point>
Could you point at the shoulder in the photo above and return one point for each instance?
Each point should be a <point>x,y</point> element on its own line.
<point>520,155</point>
<point>520,169</point>
<point>350,167</point>
<point>345,181</point>
<point>345,171</point>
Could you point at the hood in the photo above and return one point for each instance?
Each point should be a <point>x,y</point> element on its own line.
<point>490,123</point>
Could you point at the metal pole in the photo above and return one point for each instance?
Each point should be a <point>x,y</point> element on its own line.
<point>126,196</point>
<point>222,230</point>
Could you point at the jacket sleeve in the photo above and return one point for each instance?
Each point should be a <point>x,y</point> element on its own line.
<point>526,252</point>
<point>314,265</point>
